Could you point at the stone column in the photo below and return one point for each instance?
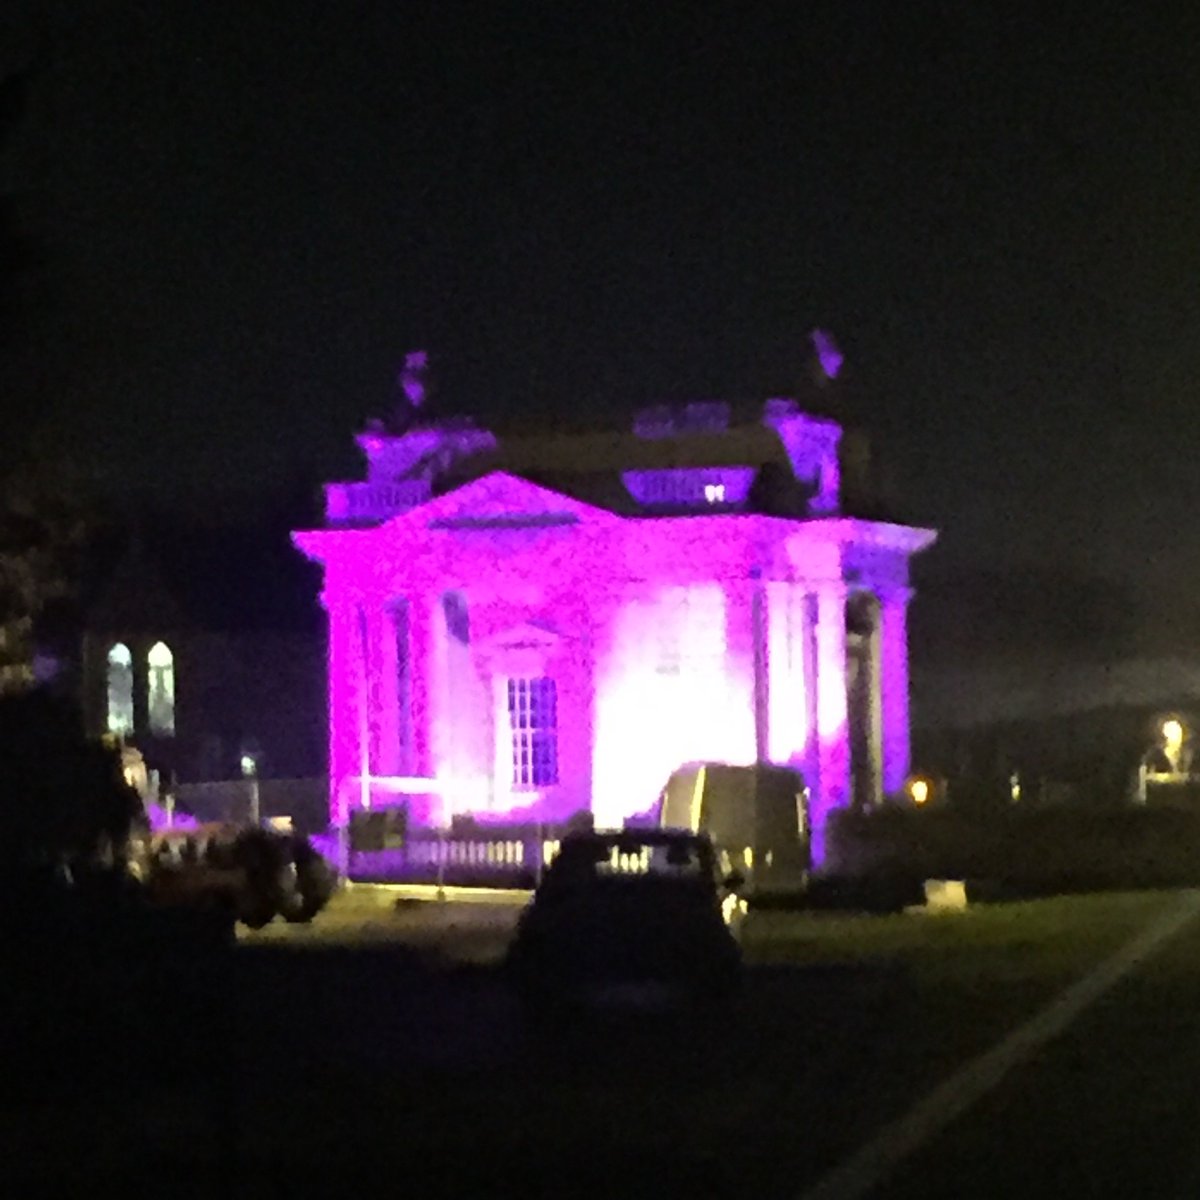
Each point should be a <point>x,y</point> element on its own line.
<point>743,728</point>
<point>395,705</point>
<point>832,785</point>
<point>344,682</point>
<point>789,702</point>
<point>893,651</point>
<point>760,666</point>
<point>426,685</point>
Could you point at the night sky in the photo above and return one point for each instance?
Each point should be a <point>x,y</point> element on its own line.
<point>248,212</point>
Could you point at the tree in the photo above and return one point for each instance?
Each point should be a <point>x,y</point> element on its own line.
<point>63,798</point>
<point>48,519</point>
<point>16,249</point>
<point>39,532</point>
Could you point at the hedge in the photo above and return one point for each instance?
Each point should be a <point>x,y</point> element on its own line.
<point>1026,850</point>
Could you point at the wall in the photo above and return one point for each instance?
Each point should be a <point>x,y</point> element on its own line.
<point>674,685</point>
<point>659,630</point>
<point>306,801</point>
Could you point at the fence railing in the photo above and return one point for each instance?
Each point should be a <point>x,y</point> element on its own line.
<point>512,856</point>
<point>506,856</point>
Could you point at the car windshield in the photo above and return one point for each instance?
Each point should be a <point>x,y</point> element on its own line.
<point>631,858</point>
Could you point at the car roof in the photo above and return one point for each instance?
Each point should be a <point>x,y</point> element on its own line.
<point>641,837</point>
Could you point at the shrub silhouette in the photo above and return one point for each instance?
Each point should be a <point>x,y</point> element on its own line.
<point>63,799</point>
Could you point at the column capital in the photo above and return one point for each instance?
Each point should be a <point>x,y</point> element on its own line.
<point>835,588</point>
<point>895,595</point>
<point>341,599</point>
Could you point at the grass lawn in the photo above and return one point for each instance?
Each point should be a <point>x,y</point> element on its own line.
<point>845,1021</point>
<point>1109,1109</point>
<point>466,931</point>
<point>354,1065</point>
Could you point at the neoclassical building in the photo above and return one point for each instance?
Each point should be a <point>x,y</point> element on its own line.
<point>521,631</point>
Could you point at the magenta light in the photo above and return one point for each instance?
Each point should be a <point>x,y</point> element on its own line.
<point>828,354</point>
<point>414,377</point>
<point>711,637</point>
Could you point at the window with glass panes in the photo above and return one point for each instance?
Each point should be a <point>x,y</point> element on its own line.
<point>533,720</point>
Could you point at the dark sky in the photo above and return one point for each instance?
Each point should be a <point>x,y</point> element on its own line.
<point>249,211</point>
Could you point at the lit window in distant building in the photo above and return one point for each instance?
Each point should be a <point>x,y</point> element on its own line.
<point>161,689</point>
<point>120,690</point>
<point>533,720</point>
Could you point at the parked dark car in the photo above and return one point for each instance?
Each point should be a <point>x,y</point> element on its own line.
<point>634,919</point>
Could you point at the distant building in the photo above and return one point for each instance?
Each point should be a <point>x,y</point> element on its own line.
<point>202,649</point>
<point>519,631</point>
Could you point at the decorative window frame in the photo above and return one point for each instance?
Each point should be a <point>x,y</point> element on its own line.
<point>522,652</point>
<point>531,707</point>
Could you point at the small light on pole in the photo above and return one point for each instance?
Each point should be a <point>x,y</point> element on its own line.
<point>1173,734</point>
<point>250,772</point>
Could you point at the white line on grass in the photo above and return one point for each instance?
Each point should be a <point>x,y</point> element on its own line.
<point>868,1167</point>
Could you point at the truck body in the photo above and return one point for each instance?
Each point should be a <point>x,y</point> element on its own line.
<point>756,817</point>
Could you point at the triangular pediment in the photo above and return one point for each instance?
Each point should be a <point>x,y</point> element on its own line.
<point>526,635</point>
<point>502,500</point>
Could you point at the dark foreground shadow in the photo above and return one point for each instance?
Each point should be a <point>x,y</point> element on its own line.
<point>193,1050</point>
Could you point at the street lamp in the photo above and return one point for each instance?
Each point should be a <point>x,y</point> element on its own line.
<point>1172,735</point>
<point>918,789</point>
<point>250,772</point>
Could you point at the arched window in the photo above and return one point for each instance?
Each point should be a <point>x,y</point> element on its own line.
<point>160,705</point>
<point>120,690</point>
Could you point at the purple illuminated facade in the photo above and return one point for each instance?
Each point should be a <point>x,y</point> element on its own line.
<point>513,652</point>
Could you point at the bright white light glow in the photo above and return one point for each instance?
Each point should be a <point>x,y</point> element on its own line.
<point>649,722</point>
<point>120,689</point>
<point>161,689</point>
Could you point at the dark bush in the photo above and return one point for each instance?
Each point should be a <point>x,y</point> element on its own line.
<point>884,891</point>
<point>1027,851</point>
<point>63,798</point>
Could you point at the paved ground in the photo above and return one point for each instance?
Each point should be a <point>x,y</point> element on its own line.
<point>379,1049</point>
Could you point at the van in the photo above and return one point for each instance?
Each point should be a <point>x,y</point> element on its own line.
<point>756,817</point>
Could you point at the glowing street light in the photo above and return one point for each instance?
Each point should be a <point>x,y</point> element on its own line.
<point>250,771</point>
<point>1173,734</point>
<point>918,789</point>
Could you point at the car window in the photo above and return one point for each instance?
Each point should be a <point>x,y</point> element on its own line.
<point>587,859</point>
